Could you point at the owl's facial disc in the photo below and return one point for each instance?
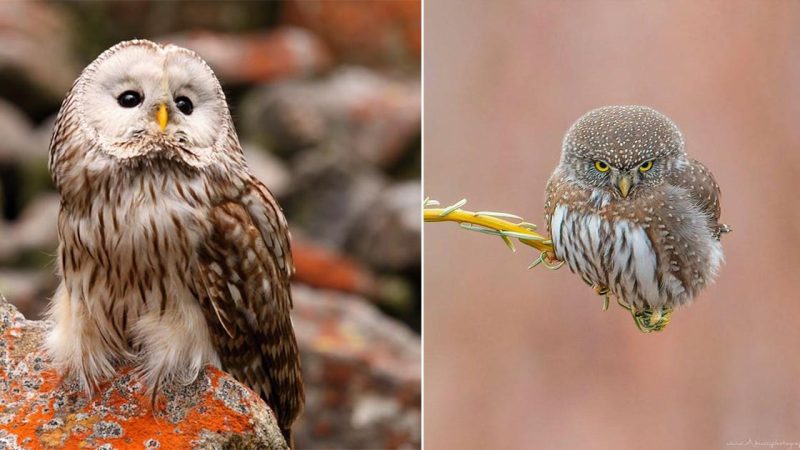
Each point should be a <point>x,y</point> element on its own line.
<point>147,100</point>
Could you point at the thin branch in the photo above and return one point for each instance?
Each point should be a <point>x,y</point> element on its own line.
<point>491,223</point>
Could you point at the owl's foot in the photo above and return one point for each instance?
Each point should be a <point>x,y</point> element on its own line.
<point>599,289</point>
<point>649,319</point>
<point>549,260</point>
<point>605,292</point>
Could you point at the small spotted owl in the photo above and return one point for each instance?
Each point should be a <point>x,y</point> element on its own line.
<point>631,213</point>
<point>172,255</point>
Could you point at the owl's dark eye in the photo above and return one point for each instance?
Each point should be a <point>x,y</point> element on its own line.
<point>184,105</point>
<point>129,99</point>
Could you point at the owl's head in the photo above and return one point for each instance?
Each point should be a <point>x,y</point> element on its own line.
<point>141,99</point>
<point>622,149</point>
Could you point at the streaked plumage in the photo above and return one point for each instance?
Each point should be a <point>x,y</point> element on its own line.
<point>654,244</point>
<point>172,255</point>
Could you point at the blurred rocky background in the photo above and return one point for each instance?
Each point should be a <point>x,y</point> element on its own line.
<point>523,359</point>
<point>326,98</point>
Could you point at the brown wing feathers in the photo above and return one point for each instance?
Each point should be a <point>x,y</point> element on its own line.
<point>244,268</point>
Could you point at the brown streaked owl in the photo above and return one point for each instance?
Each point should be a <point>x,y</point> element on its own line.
<point>172,255</point>
<point>631,213</point>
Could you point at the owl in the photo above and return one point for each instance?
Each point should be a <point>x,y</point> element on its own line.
<point>172,255</point>
<point>630,212</point>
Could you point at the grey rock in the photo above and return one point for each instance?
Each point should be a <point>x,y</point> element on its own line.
<point>388,233</point>
<point>331,189</point>
<point>28,290</point>
<point>382,113</point>
<point>376,117</point>
<point>34,231</point>
<point>285,116</point>
<point>257,57</point>
<point>267,168</point>
<point>18,140</point>
<point>36,40</point>
<point>362,372</point>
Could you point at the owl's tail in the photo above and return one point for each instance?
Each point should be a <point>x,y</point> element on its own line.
<point>722,229</point>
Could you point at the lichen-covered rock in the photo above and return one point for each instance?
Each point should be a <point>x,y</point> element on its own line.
<point>18,142</point>
<point>257,57</point>
<point>395,213</point>
<point>377,33</point>
<point>39,410</point>
<point>29,288</point>
<point>362,373</point>
<point>32,231</point>
<point>372,115</point>
<point>36,64</point>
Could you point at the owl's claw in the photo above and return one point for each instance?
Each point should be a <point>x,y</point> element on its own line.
<point>649,320</point>
<point>599,289</point>
<point>548,260</point>
<point>605,292</point>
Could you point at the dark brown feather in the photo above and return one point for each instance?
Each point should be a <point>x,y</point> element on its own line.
<point>244,269</point>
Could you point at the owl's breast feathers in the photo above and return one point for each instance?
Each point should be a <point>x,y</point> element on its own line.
<point>656,248</point>
<point>157,245</point>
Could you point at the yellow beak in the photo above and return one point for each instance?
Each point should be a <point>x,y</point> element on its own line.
<point>624,185</point>
<point>162,117</point>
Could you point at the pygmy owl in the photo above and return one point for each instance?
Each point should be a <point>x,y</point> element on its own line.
<point>172,255</point>
<point>631,213</point>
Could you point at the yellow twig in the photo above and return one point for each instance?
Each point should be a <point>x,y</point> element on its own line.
<point>524,235</point>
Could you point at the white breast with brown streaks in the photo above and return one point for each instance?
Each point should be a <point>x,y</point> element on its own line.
<point>619,256</point>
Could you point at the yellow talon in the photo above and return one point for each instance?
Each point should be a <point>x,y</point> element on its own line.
<point>655,317</point>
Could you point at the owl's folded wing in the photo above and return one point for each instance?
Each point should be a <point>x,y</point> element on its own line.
<point>242,275</point>
<point>700,183</point>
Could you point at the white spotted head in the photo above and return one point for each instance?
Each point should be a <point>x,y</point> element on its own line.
<point>622,149</point>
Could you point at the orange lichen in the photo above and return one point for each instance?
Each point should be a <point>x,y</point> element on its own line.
<point>39,410</point>
<point>142,424</point>
<point>324,268</point>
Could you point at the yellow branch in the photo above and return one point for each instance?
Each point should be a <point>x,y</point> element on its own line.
<point>534,239</point>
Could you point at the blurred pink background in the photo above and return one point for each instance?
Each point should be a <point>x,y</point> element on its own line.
<point>527,359</point>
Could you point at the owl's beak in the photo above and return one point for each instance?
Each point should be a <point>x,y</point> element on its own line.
<point>624,185</point>
<point>162,117</point>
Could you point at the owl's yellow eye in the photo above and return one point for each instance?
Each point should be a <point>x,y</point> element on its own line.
<point>647,165</point>
<point>601,166</point>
